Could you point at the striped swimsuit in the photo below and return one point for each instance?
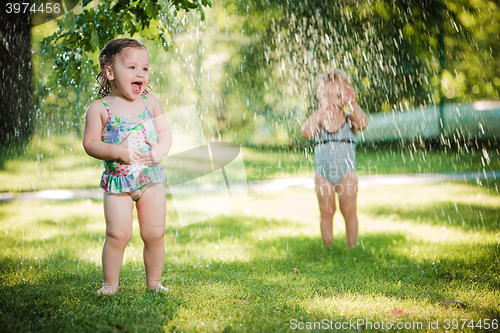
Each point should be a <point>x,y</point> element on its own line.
<point>335,153</point>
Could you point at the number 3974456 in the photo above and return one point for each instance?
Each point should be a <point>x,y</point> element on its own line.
<point>25,7</point>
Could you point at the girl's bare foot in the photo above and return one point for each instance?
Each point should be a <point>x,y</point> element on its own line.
<point>351,245</point>
<point>158,288</point>
<point>107,289</point>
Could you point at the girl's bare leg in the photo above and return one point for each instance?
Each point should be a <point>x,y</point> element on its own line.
<point>347,190</point>
<point>118,215</point>
<point>326,199</point>
<point>151,211</point>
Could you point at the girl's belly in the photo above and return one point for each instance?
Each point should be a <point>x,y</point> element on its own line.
<point>137,140</point>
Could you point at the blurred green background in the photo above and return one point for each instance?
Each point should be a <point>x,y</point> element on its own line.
<point>427,74</point>
<point>250,65</point>
<point>419,69</point>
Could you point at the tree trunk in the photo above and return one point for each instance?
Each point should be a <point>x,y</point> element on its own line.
<point>16,106</point>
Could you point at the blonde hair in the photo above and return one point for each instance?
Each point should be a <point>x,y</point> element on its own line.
<point>333,75</point>
<point>326,80</point>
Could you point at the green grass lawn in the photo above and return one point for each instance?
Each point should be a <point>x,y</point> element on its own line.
<point>261,266</point>
<point>60,162</point>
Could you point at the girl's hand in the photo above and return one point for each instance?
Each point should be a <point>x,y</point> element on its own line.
<point>351,95</point>
<point>126,154</point>
<point>352,122</point>
<point>152,157</point>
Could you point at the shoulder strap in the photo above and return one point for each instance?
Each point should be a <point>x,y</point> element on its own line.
<point>106,106</point>
<point>145,101</point>
<point>147,108</point>
<point>320,133</point>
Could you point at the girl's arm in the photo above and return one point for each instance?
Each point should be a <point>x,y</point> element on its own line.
<point>360,117</point>
<point>358,114</point>
<point>92,138</point>
<point>161,148</point>
<point>310,126</point>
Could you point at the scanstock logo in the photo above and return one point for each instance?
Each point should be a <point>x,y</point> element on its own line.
<point>205,179</point>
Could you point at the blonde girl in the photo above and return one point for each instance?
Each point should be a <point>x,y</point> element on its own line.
<point>335,152</point>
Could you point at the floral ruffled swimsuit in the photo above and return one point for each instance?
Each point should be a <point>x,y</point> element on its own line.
<point>133,179</point>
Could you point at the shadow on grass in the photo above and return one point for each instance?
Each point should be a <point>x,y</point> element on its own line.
<point>58,294</point>
<point>380,266</point>
<point>278,275</point>
<point>287,271</point>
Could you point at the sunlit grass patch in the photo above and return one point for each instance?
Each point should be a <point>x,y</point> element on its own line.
<point>41,230</point>
<point>447,204</point>
<point>49,163</point>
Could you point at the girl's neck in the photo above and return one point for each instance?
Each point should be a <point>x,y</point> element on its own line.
<point>115,94</point>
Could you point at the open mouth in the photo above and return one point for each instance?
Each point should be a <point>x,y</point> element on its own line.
<point>137,87</point>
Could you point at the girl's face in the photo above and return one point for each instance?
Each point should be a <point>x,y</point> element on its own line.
<point>335,93</point>
<point>129,74</point>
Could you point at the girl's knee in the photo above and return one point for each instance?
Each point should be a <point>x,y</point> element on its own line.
<point>327,211</point>
<point>121,237</point>
<point>152,235</point>
<point>348,210</point>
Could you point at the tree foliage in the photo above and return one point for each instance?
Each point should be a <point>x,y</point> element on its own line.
<point>73,47</point>
<point>400,53</point>
<point>80,34</point>
<point>391,48</point>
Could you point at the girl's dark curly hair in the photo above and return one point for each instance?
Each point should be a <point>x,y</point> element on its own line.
<point>107,57</point>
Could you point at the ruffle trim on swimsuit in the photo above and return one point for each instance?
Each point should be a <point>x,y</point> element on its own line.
<point>133,181</point>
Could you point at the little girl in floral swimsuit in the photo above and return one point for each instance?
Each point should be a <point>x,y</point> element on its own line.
<point>129,132</point>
